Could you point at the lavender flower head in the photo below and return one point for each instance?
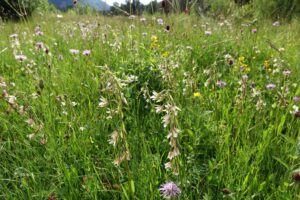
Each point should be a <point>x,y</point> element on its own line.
<point>74,51</point>
<point>86,52</point>
<point>20,57</point>
<point>296,99</point>
<point>254,30</point>
<point>208,33</point>
<point>221,84</point>
<point>286,72</point>
<point>271,86</point>
<point>169,190</point>
<point>160,21</point>
<point>39,33</point>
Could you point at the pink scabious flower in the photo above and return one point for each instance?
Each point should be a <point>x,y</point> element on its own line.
<point>86,52</point>
<point>286,72</point>
<point>39,45</point>
<point>221,84</point>
<point>20,57</point>
<point>74,51</point>
<point>169,190</point>
<point>208,33</point>
<point>270,86</point>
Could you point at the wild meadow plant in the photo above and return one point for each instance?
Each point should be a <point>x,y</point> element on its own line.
<point>149,107</point>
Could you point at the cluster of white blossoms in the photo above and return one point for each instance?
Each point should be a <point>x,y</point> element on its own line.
<point>165,105</point>
<point>113,101</point>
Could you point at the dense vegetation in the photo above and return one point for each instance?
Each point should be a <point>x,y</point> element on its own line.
<point>96,107</point>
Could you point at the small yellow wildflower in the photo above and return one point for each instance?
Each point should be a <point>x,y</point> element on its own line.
<point>266,64</point>
<point>165,54</point>
<point>197,94</point>
<point>154,39</point>
<point>241,59</point>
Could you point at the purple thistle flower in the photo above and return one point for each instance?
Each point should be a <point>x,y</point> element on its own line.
<point>169,190</point>
<point>20,57</point>
<point>74,51</point>
<point>296,99</point>
<point>86,52</point>
<point>271,86</point>
<point>39,33</point>
<point>254,30</point>
<point>221,84</point>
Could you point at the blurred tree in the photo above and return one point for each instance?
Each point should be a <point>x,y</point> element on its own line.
<point>17,9</point>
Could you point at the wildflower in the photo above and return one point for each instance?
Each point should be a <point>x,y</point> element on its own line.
<point>59,16</point>
<point>39,45</point>
<point>254,30</point>
<point>12,100</point>
<point>296,99</point>
<point>114,138</point>
<point>226,191</point>
<point>208,33</point>
<point>295,111</point>
<point>143,19</point>
<point>46,51</point>
<point>160,21</point>
<point>169,190</point>
<point>123,156</point>
<point>197,94</point>
<point>74,51</point>
<point>154,38</point>
<point>286,72</point>
<point>13,35</point>
<point>86,52</point>
<point>30,122</point>
<point>241,59</point>
<point>131,17</point>
<point>20,57</point>
<point>39,33</point>
<point>103,102</point>
<point>165,54</point>
<point>245,77</point>
<point>270,86</point>
<point>221,84</point>
<point>296,176</point>
<point>277,23</point>
<point>81,128</point>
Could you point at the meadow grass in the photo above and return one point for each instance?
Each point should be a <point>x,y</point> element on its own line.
<point>214,99</point>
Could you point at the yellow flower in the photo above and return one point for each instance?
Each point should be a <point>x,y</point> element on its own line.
<point>241,59</point>
<point>266,64</point>
<point>165,54</point>
<point>154,38</point>
<point>197,94</point>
